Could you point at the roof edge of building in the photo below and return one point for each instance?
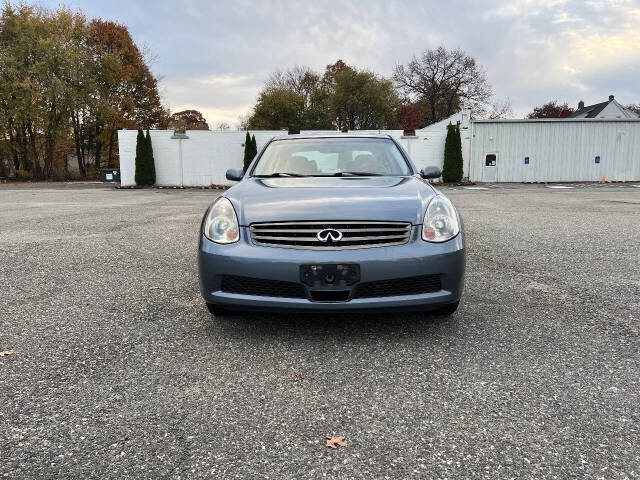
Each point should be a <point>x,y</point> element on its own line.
<point>558,120</point>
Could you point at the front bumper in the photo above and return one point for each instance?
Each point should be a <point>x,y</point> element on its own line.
<point>415,258</point>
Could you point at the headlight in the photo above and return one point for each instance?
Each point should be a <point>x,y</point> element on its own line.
<point>221,225</point>
<point>440,221</point>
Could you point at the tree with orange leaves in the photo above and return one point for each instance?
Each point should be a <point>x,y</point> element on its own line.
<point>69,82</point>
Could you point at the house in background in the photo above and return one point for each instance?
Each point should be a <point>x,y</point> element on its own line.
<point>610,109</point>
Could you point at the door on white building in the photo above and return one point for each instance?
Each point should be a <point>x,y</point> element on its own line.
<point>490,167</point>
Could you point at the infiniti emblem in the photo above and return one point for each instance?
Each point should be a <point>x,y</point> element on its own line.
<point>329,235</point>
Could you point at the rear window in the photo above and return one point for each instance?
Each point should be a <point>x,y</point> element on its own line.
<point>332,156</point>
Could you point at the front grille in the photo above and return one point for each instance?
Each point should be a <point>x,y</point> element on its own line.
<point>399,286</point>
<point>329,295</point>
<point>354,234</point>
<point>261,287</point>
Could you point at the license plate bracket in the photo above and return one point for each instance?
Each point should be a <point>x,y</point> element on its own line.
<point>330,275</point>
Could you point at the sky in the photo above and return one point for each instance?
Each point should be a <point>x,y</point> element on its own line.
<point>214,56</point>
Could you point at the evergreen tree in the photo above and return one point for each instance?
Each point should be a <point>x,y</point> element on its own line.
<point>140,151</point>
<point>452,168</point>
<point>150,161</point>
<point>458,154</point>
<point>248,147</point>
<point>254,146</point>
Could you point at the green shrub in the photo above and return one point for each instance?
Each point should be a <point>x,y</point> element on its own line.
<point>254,147</point>
<point>141,143</point>
<point>151,163</point>
<point>145,164</point>
<point>248,148</point>
<point>452,168</point>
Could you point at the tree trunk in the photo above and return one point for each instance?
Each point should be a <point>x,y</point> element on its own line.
<point>432,102</point>
<point>13,150</point>
<point>77,137</point>
<point>99,144</point>
<point>111,142</point>
<point>49,150</point>
<point>28,163</point>
<point>34,150</point>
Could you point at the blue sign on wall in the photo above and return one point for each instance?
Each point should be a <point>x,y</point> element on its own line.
<point>597,158</point>
<point>526,160</point>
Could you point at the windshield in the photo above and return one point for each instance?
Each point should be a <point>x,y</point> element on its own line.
<point>331,157</point>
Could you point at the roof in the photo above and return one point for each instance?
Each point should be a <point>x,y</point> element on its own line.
<point>463,116</point>
<point>332,135</point>
<point>557,120</point>
<point>591,111</point>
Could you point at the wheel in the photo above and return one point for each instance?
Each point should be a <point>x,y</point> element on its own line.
<point>447,310</point>
<point>216,309</point>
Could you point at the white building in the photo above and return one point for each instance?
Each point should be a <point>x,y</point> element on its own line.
<point>555,150</point>
<point>609,109</point>
<point>549,150</point>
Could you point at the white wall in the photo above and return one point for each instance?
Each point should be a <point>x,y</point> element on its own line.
<point>427,147</point>
<point>200,160</point>
<point>204,157</point>
<point>558,150</point>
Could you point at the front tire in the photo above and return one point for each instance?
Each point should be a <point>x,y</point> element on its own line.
<point>215,309</point>
<point>447,310</point>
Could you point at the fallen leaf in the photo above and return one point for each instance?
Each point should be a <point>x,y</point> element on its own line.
<point>154,288</point>
<point>334,442</point>
<point>298,377</point>
<point>6,352</point>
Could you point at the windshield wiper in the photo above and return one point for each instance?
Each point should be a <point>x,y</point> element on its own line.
<point>358,174</point>
<point>281,174</point>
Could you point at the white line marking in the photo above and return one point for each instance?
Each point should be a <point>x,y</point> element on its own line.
<point>558,186</point>
<point>485,188</point>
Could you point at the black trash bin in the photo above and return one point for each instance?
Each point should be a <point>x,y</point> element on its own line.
<point>109,174</point>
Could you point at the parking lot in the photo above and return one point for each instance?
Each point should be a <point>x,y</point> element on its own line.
<point>119,371</point>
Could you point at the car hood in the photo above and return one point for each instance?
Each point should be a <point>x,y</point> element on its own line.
<point>400,199</point>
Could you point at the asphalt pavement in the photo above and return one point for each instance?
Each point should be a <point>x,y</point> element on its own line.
<point>115,369</point>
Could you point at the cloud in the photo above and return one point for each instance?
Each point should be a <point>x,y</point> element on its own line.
<point>519,8</point>
<point>604,50</point>
<point>215,56</point>
<point>226,80</point>
<point>220,98</point>
<point>565,50</point>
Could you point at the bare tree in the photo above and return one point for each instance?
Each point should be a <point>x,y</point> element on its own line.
<point>635,108</point>
<point>300,79</point>
<point>498,109</point>
<point>443,81</point>
<point>243,121</point>
<point>223,126</point>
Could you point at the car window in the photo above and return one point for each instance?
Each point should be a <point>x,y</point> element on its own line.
<point>323,161</point>
<point>332,156</point>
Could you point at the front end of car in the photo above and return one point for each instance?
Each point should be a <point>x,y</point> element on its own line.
<point>333,264</point>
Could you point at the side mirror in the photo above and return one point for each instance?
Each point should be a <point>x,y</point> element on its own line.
<point>234,174</point>
<point>430,172</point>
